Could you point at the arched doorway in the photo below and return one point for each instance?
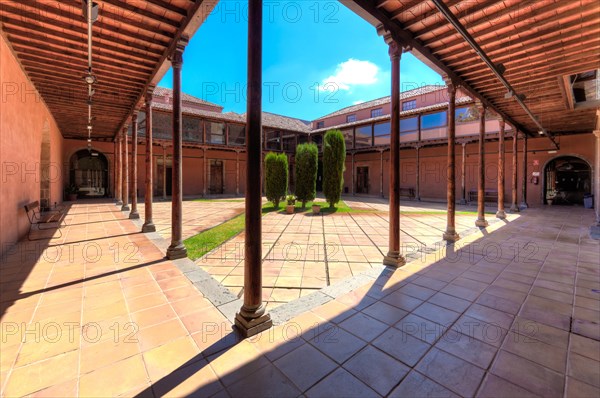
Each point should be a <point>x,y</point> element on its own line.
<point>567,180</point>
<point>88,170</point>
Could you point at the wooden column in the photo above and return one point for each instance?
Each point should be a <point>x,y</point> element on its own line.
<point>596,174</point>
<point>205,160</point>
<point>523,204</point>
<point>164,187</point>
<point>125,181</point>
<point>463,175</point>
<point>237,173</point>
<point>393,257</point>
<point>353,175</point>
<point>418,174</point>
<point>481,222</point>
<point>148,222</point>
<point>115,170</point>
<point>501,153</point>
<point>119,171</point>
<point>177,249</point>
<point>514,208</point>
<point>450,234</point>
<point>134,215</point>
<point>252,317</point>
<point>381,173</point>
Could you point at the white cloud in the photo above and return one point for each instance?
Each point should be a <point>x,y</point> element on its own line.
<point>358,102</point>
<point>352,73</point>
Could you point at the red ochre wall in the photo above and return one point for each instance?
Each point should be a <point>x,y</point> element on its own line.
<point>433,167</point>
<point>24,118</point>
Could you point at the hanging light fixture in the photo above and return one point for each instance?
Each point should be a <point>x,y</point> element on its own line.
<point>90,13</point>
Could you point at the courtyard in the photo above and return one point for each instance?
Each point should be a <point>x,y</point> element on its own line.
<point>509,310</point>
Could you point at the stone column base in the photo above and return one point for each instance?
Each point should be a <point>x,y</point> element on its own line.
<point>501,214</point>
<point>450,236</point>
<point>249,327</point>
<point>523,205</point>
<point>125,208</point>
<point>177,251</point>
<point>119,203</point>
<point>134,215</point>
<point>394,259</point>
<point>514,209</point>
<point>481,223</point>
<point>149,227</point>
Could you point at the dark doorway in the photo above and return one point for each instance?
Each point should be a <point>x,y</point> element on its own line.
<point>88,170</point>
<point>362,180</point>
<point>320,176</point>
<point>567,180</point>
<point>169,177</point>
<point>216,177</point>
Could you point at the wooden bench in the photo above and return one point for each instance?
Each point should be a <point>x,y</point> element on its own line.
<point>489,196</point>
<point>407,193</point>
<point>39,219</point>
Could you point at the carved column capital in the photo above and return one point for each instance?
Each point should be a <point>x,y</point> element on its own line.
<point>176,56</point>
<point>597,134</point>
<point>451,84</point>
<point>149,95</point>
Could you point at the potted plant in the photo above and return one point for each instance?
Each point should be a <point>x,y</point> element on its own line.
<point>316,209</point>
<point>291,204</point>
<point>71,191</point>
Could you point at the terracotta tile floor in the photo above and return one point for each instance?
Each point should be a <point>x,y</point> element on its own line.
<point>303,253</point>
<point>513,312</point>
<point>198,215</point>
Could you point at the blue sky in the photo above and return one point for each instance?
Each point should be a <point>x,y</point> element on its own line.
<point>318,56</point>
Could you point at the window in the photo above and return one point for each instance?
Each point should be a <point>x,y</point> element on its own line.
<point>192,129</point>
<point>381,131</point>
<point>237,134</point>
<point>410,124</point>
<point>433,120</point>
<point>162,125</point>
<point>349,138</point>
<point>320,124</point>
<point>408,105</point>
<point>215,132</point>
<point>302,138</point>
<point>376,112</point>
<point>272,140</point>
<point>350,118</point>
<point>317,139</point>
<point>289,142</point>
<point>465,115</point>
<point>364,136</point>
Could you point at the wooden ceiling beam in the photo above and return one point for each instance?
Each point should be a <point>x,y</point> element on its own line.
<point>493,28</point>
<point>78,66</point>
<point>540,66</point>
<point>79,62</point>
<point>504,45</point>
<point>37,8</point>
<point>464,14</point>
<point>56,36</point>
<point>6,13</point>
<point>559,45</point>
<point>167,6</point>
<point>130,8</point>
<point>40,70</point>
<point>516,65</point>
<point>81,49</point>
